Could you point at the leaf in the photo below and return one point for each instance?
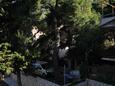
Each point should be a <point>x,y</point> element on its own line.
<point>9,70</point>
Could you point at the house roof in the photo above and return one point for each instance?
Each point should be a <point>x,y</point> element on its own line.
<point>107,20</point>
<point>109,59</point>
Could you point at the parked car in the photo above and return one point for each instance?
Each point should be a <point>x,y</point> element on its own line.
<point>38,69</point>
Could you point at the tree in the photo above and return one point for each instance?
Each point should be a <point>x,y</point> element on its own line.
<point>16,24</point>
<point>11,61</point>
<point>15,28</point>
<point>81,17</point>
<point>77,18</point>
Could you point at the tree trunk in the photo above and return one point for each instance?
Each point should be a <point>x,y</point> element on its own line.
<point>55,62</point>
<point>56,49</point>
<point>87,63</point>
<point>19,78</point>
<point>57,26</point>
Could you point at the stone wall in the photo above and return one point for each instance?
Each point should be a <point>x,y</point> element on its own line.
<point>29,81</point>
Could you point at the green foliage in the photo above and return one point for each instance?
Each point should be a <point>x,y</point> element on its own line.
<point>113,1</point>
<point>2,11</point>
<point>5,58</point>
<point>10,61</point>
<point>25,46</point>
<point>23,38</point>
<point>85,14</point>
<point>79,17</point>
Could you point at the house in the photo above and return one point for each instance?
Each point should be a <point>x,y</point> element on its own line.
<point>108,23</point>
